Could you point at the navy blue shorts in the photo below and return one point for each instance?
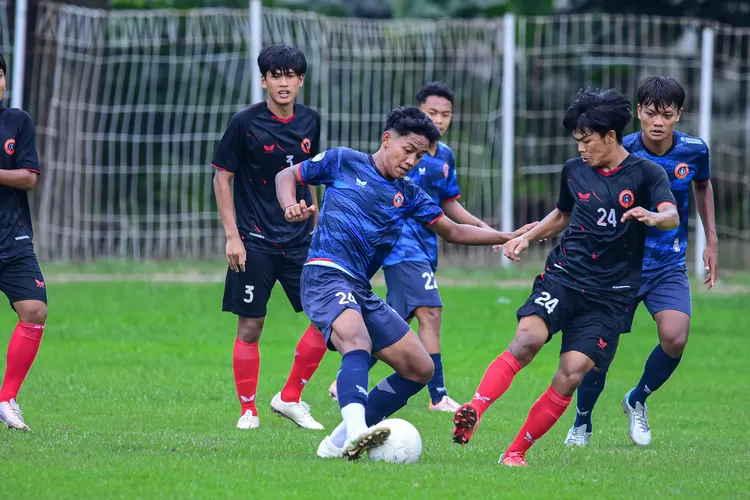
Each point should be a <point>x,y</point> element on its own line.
<point>667,291</point>
<point>588,325</point>
<point>327,292</point>
<point>411,284</point>
<point>21,278</point>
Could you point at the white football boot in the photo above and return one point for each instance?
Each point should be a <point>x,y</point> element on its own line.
<point>10,415</point>
<point>248,421</point>
<point>327,449</point>
<point>640,432</point>
<point>446,404</point>
<point>577,436</point>
<point>357,445</point>
<point>299,413</point>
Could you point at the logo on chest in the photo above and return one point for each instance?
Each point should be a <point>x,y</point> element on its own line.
<point>10,146</point>
<point>398,200</point>
<point>681,170</point>
<point>626,198</point>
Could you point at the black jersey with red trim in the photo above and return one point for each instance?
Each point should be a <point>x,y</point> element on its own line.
<point>599,254</point>
<point>19,151</point>
<point>255,147</point>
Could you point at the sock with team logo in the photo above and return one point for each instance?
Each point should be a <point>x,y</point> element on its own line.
<point>437,384</point>
<point>589,391</point>
<point>246,364</point>
<point>389,396</point>
<point>495,381</point>
<point>543,415</point>
<point>307,357</point>
<point>22,350</point>
<point>351,382</point>
<point>659,367</point>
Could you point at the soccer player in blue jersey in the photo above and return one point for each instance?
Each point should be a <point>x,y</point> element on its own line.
<point>367,201</point>
<point>410,268</point>
<point>665,290</point>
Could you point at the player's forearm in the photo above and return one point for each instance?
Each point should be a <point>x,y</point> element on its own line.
<point>552,225</point>
<point>225,204</point>
<point>18,179</point>
<point>457,213</point>
<point>286,188</point>
<point>667,219</point>
<point>465,234</point>
<point>704,199</point>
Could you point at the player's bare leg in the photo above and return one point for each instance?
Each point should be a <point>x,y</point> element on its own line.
<point>246,364</point>
<point>530,337</point>
<point>673,328</point>
<point>22,351</point>
<point>430,319</point>
<point>550,406</point>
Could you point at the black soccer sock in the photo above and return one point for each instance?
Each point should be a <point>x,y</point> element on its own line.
<point>659,367</point>
<point>588,393</point>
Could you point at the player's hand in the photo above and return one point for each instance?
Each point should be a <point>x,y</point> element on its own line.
<point>236,253</point>
<point>514,247</point>
<point>299,212</point>
<point>518,232</point>
<point>641,215</point>
<point>711,263</point>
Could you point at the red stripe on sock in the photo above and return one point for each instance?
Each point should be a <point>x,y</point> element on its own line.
<point>246,363</point>
<point>495,381</point>
<point>22,350</point>
<point>543,415</point>
<point>310,351</point>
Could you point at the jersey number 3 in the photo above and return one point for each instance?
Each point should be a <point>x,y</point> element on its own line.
<point>547,302</point>
<point>605,218</point>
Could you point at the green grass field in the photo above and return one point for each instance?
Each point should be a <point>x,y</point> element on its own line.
<point>132,396</point>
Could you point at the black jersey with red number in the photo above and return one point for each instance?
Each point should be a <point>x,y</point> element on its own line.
<point>255,147</point>
<point>18,143</point>
<point>598,253</point>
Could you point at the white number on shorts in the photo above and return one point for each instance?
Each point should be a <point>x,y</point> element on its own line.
<point>547,302</point>
<point>290,160</point>
<point>431,282</point>
<point>605,218</point>
<point>346,299</point>
<point>249,291</point>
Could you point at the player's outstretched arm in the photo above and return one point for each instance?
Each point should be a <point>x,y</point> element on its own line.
<point>465,234</point>
<point>18,179</point>
<point>286,193</point>
<point>552,225</point>
<point>704,200</point>
<point>235,249</point>
<point>457,213</point>
<point>665,218</point>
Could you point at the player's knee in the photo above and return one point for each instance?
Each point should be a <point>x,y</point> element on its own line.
<point>567,381</point>
<point>249,329</point>
<point>420,369</point>
<point>673,340</point>
<point>31,311</point>
<point>528,341</point>
<point>430,316</point>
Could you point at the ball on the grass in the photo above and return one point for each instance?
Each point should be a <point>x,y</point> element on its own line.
<point>404,446</point>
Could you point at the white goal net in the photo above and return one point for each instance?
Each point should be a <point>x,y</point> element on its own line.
<point>129,107</point>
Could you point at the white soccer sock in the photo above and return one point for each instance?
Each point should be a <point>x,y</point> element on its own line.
<point>338,436</point>
<point>354,419</point>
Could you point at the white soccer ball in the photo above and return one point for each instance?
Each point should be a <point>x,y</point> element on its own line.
<point>404,446</point>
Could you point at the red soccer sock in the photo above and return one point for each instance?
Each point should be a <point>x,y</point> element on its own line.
<point>22,350</point>
<point>246,362</point>
<point>310,351</point>
<point>543,415</point>
<point>495,381</point>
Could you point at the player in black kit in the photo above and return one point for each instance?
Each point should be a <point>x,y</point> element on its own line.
<point>262,247</point>
<point>21,279</point>
<point>592,275</point>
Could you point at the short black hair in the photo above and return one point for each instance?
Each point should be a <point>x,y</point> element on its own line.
<point>281,58</point>
<point>600,111</point>
<point>661,91</point>
<point>2,64</point>
<point>411,120</point>
<point>439,89</point>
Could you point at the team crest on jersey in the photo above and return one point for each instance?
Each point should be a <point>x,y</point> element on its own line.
<point>306,145</point>
<point>398,200</point>
<point>445,170</point>
<point>681,170</point>
<point>627,199</point>
<point>319,156</point>
<point>10,146</point>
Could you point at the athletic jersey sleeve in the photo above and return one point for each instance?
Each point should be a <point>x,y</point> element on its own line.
<point>320,169</point>
<point>315,147</point>
<point>657,185</point>
<point>565,200</point>
<point>27,155</point>
<point>422,208</point>
<point>451,192</point>
<point>703,165</point>
<point>231,147</point>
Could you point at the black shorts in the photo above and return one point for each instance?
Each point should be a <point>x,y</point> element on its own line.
<point>589,325</point>
<point>246,293</point>
<point>21,278</point>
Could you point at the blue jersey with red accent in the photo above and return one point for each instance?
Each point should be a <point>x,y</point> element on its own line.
<point>687,161</point>
<point>362,212</point>
<point>436,175</point>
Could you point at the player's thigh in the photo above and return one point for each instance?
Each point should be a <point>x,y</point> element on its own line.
<point>326,295</point>
<point>22,282</point>
<point>384,324</point>
<point>408,358</point>
<point>289,274</point>
<point>411,285</point>
<point>595,332</point>
<point>669,302</point>
<point>246,293</point>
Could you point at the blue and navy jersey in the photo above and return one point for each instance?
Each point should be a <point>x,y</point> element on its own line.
<point>362,213</point>
<point>687,160</point>
<point>436,175</point>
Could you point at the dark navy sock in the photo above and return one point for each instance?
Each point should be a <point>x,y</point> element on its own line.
<point>437,384</point>
<point>352,379</point>
<point>373,361</point>
<point>591,387</point>
<point>659,367</point>
<point>389,396</point>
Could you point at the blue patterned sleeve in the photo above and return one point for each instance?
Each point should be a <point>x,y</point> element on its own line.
<point>421,206</point>
<point>452,192</point>
<point>657,185</point>
<point>704,167</point>
<point>320,169</point>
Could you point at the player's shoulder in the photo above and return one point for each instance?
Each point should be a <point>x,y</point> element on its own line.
<point>691,143</point>
<point>573,164</point>
<point>340,154</point>
<point>631,141</point>
<point>638,165</point>
<point>304,110</point>
<point>445,153</point>
<point>15,115</point>
<point>250,113</point>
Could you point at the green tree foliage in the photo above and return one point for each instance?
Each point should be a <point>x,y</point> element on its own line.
<point>736,12</point>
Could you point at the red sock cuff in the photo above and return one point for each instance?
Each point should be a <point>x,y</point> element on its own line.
<point>508,357</point>
<point>245,344</point>
<point>29,330</point>
<point>558,398</point>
